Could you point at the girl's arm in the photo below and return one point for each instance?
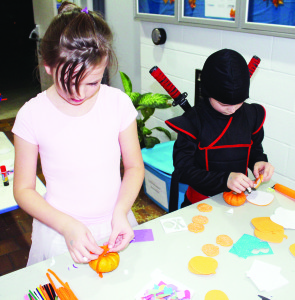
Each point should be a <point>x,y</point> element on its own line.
<point>78,238</point>
<point>122,232</point>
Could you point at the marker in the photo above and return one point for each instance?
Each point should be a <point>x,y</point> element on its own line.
<point>4,176</point>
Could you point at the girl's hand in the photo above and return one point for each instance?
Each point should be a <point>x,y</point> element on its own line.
<point>265,168</point>
<point>238,182</point>
<point>122,233</point>
<point>80,242</point>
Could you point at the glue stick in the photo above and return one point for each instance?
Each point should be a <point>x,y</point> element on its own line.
<point>4,176</point>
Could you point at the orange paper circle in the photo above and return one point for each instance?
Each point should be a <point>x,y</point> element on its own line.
<point>195,227</point>
<point>224,240</point>
<point>200,219</point>
<point>204,207</point>
<point>210,250</point>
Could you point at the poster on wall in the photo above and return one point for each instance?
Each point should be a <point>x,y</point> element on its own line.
<point>220,8</point>
<point>157,7</point>
<point>278,12</point>
<point>210,9</point>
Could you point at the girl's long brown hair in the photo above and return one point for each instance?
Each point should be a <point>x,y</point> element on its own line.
<point>74,43</point>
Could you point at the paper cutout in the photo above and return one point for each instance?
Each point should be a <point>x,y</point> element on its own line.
<point>196,227</point>
<point>210,250</point>
<point>260,198</point>
<point>267,230</point>
<point>249,245</point>
<point>202,265</point>
<point>265,276</point>
<point>173,224</point>
<point>164,288</point>
<point>216,294</point>
<point>230,211</point>
<point>167,292</point>
<point>292,249</point>
<point>143,235</point>
<point>284,217</point>
<point>200,219</point>
<point>204,207</point>
<point>224,240</point>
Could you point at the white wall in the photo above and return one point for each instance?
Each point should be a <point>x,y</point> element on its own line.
<point>272,85</point>
<point>119,15</point>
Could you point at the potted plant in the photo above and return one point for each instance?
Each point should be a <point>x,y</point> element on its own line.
<point>146,105</point>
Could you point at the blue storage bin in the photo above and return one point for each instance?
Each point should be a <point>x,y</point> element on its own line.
<point>158,169</point>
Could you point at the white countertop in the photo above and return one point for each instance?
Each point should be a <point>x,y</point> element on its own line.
<point>171,253</point>
<point>7,202</point>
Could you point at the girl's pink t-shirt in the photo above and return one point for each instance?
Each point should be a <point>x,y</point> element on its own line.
<point>80,156</point>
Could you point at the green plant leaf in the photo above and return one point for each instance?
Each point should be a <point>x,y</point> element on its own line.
<point>168,134</point>
<point>126,83</point>
<point>154,100</point>
<point>135,97</point>
<point>146,112</point>
<point>146,131</point>
<point>151,141</point>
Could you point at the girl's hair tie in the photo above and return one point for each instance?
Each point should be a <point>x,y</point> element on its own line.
<point>85,10</point>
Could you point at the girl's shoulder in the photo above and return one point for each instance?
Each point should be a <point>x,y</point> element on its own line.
<point>34,105</point>
<point>114,93</point>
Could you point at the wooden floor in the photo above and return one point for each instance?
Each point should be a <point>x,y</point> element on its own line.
<point>16,226</point>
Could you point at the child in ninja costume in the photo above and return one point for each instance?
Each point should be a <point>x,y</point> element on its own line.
<point>221,137</point>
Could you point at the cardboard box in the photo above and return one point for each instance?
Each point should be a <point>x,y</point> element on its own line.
<point>157,187</point>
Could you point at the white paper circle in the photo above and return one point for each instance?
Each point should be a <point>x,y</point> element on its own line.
<point>260,198</point>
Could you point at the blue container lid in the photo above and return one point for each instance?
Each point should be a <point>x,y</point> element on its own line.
<point>160,156</point>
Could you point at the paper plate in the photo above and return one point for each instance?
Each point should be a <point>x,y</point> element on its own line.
<point>260,198</point>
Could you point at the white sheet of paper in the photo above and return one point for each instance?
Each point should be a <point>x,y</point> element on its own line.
<point>284,217</point>
<point>265,276</point>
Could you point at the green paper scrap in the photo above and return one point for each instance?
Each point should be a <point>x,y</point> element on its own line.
<point>249,245</point>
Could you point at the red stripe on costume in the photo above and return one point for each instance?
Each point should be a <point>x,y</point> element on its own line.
<point>262,122</point>
<point>193,196</point>
<point>225,146</point>
<point>179,129</point>
<point>222,133</point>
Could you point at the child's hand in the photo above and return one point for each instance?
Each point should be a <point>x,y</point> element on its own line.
<point>265,168</point>
<point>122,233</point>
<point>80,242</point>
<point>238,182</point>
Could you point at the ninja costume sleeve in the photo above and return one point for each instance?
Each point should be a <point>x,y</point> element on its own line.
<point>257,153</point>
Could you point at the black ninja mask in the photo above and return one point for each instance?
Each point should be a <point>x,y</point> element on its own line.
<point>225,77</point>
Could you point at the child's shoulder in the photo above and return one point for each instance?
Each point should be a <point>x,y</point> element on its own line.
<point>34,103</point>
<point>254,108</point>
<point>256,115</point>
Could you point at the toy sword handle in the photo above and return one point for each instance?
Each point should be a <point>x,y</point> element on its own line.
<point>253,64</point>
<point>170,88</point>
<point>181,98</point>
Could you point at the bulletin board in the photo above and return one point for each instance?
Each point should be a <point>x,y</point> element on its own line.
<point>271,17</point>
<point>268,17</point>
<point>268,12</point>
<point>157,10</point>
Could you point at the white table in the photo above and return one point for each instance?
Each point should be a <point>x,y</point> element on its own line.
<point>7,202</point>
<point>171,254</point>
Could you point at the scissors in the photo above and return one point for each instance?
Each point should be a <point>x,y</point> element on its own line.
<point>263,298</point>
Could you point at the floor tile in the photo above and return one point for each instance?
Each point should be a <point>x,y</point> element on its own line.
<point>7,246</point>
<point>5,265</point>
<point>19,258</point>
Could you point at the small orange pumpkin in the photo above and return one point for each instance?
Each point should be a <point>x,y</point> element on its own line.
<point>232,198</point>
<point>106,262</point>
